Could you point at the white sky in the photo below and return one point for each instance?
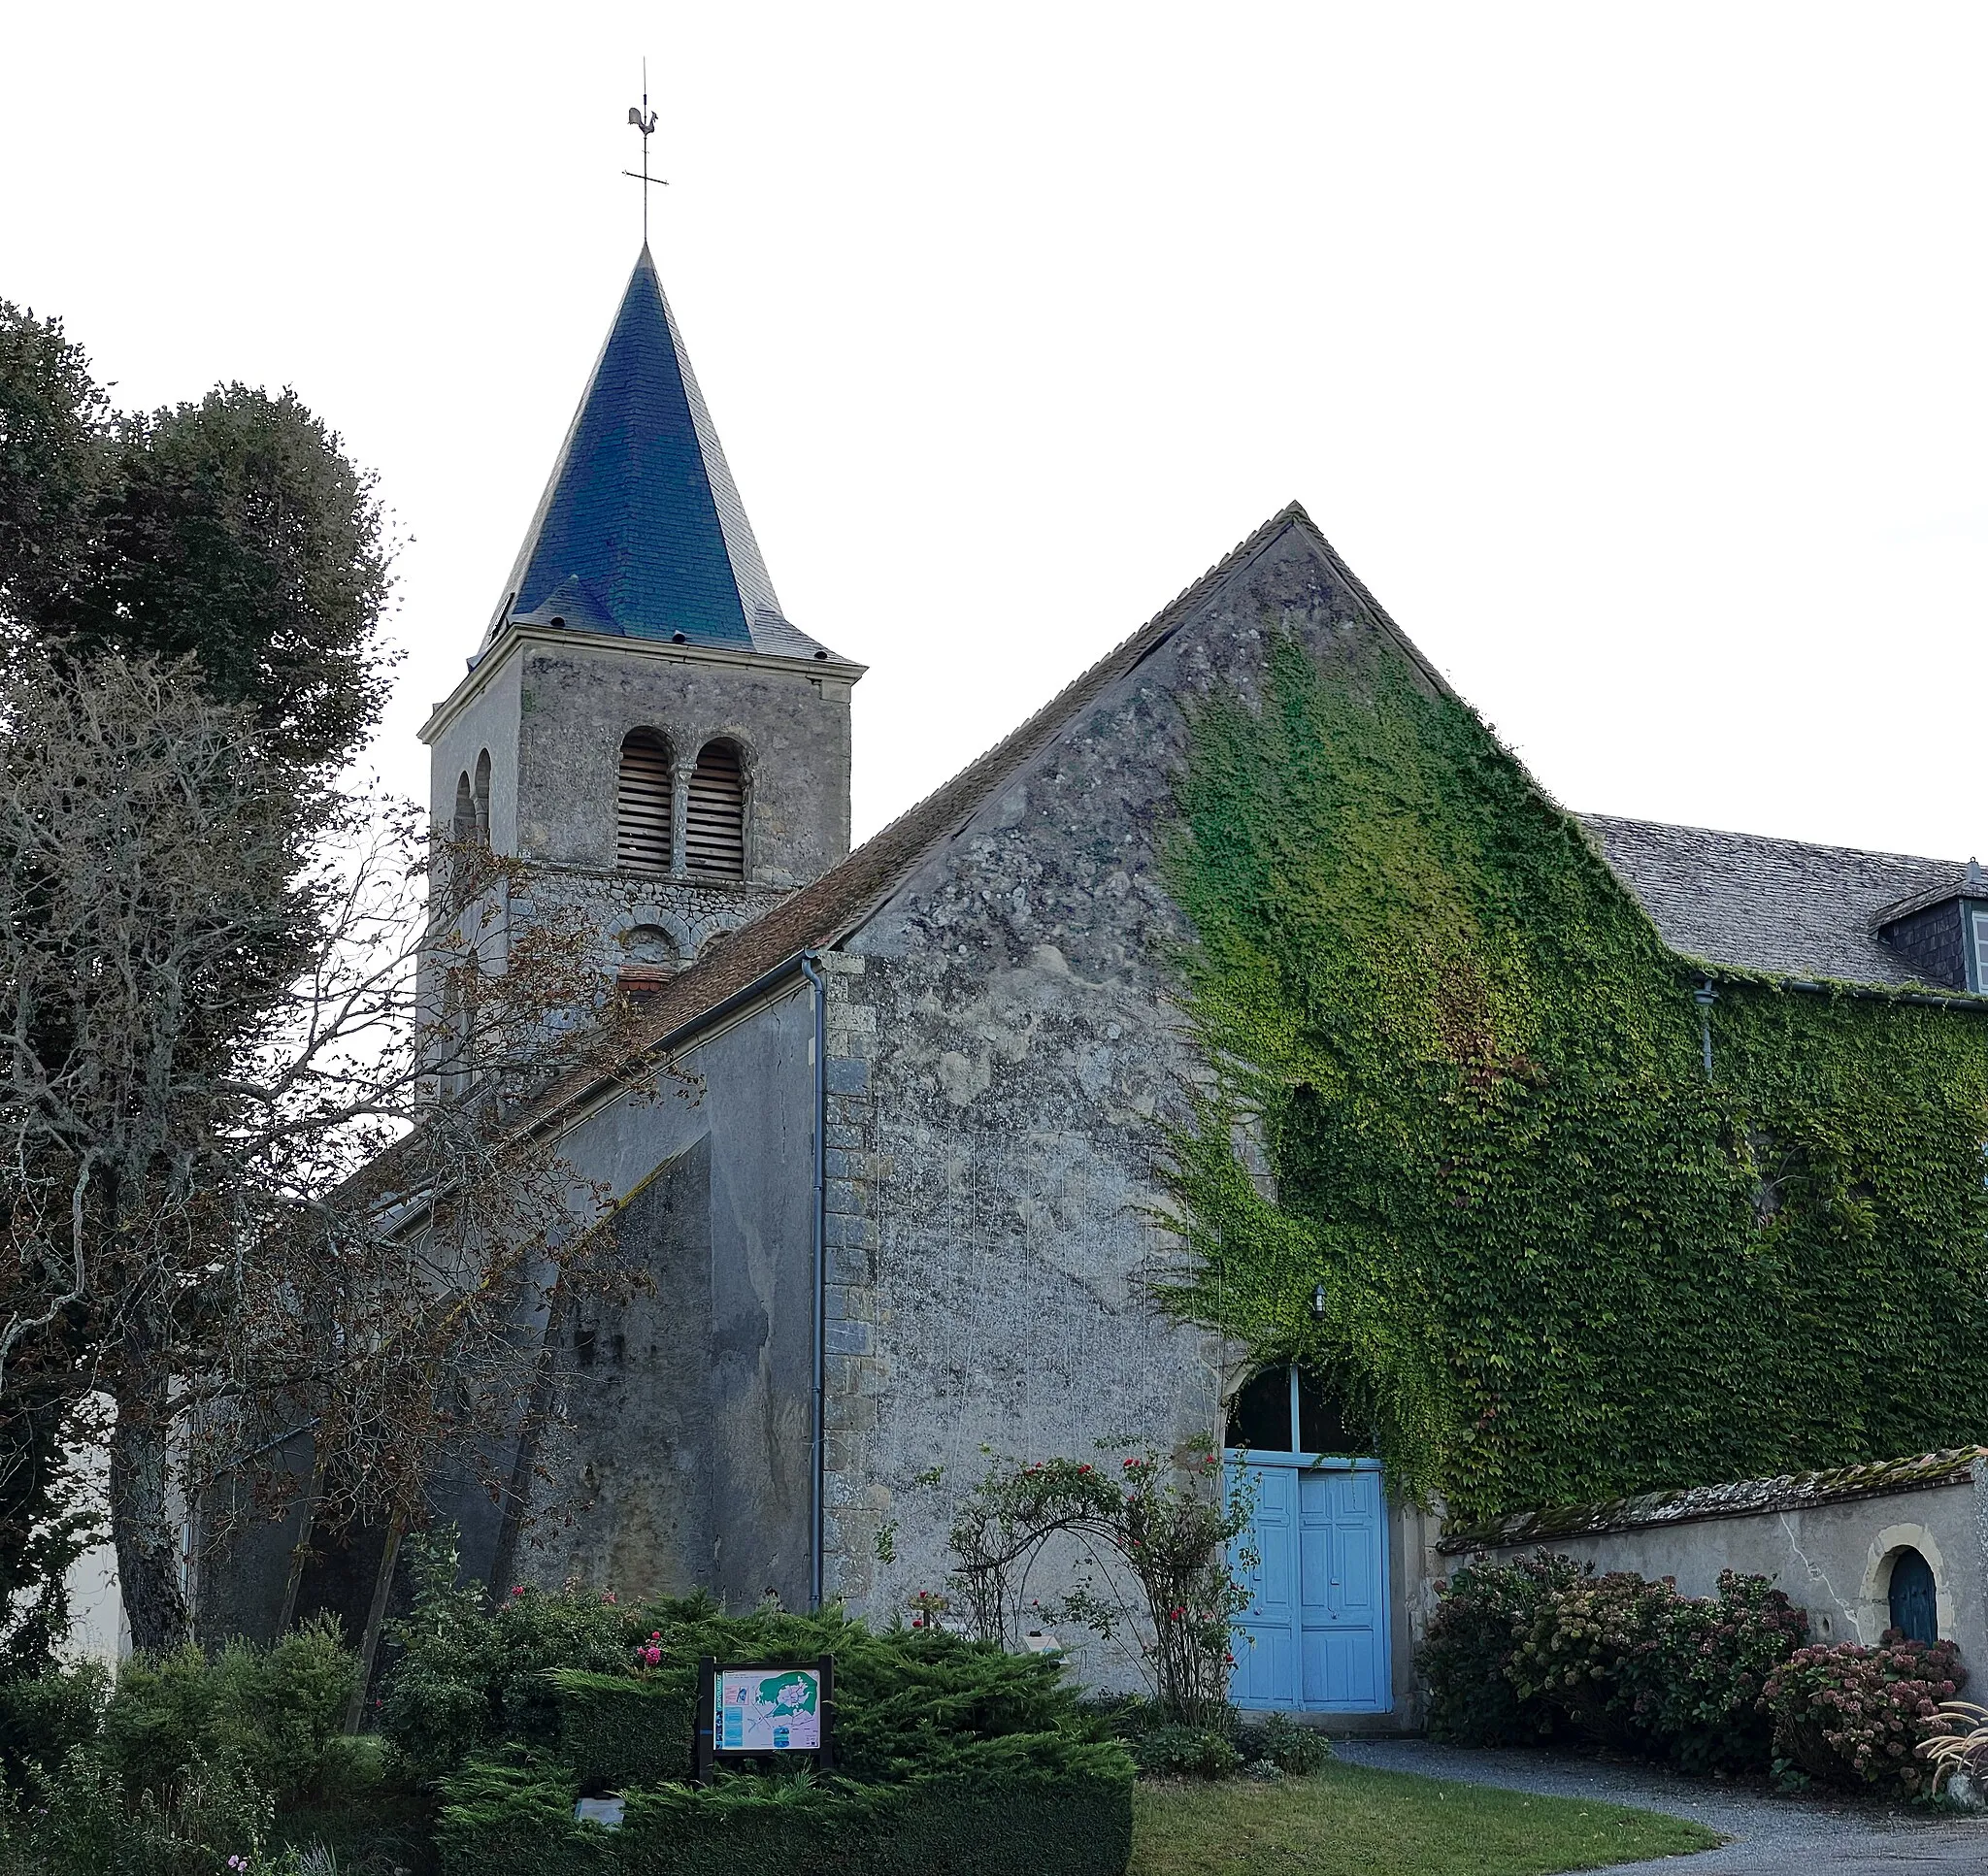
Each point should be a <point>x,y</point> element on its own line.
<point>1634,356</point>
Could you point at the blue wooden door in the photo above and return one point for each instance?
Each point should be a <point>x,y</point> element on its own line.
<point>1314,1635</point>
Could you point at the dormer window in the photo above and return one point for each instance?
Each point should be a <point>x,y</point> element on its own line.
<point>1943,933</point>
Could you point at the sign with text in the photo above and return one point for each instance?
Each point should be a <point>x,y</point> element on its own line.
<point>767,1709</point>
<point>746,1712</point>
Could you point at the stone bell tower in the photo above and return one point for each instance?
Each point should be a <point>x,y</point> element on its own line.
<point>640,722</point>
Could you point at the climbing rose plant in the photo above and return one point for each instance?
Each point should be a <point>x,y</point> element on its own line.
<point>1155,1551</point>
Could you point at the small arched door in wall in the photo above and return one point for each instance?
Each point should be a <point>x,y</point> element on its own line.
<point>1314,1638</point>
<point>1914,1598</point>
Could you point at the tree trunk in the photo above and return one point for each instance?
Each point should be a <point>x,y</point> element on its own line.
<point>143,1526</point>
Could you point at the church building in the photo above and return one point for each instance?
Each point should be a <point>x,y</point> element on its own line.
<point>912,1211</point>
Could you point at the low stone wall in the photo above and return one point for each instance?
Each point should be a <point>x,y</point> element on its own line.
<point>1829,1540</point>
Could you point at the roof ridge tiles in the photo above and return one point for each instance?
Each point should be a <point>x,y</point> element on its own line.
<point>821,914</point>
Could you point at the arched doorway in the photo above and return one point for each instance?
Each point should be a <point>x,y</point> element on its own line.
<point>1314,1638</point>
<point>1914,1598</point>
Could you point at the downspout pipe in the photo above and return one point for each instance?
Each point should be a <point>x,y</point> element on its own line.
<point>810,969</point>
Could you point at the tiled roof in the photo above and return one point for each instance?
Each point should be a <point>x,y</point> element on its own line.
<point>1734,899</point>
<point>639,532</point>
<point>1752,903</point>
<point>1748,1498</point>
<point>821,914</point>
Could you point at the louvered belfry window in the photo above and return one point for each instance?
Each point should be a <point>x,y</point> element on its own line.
<point>641,804</point>
<point>716,834</point>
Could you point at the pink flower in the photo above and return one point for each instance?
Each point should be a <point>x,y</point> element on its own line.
<point>518,1588</point>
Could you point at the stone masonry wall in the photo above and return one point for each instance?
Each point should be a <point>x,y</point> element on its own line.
<point>856,1502</point>
<point>1005,1060</point>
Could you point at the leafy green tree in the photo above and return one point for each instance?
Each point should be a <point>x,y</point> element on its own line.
<point>233,537</point>
<point>55,465</point>
<point>211,955</point>
<point>234,532</point>
<point>238,533</point>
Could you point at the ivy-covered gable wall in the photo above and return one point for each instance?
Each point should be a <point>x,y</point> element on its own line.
<point>1556,1261</point>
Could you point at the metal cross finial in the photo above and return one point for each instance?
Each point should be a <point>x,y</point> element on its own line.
<point>644,121</point>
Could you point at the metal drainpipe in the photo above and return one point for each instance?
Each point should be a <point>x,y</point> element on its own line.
<point>810,969</point>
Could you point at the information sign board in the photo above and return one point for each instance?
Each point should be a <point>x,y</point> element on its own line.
<point>770,1709</point>
<point>762,1709</point>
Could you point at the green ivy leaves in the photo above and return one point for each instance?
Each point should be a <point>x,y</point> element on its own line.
<point>1558,1264</point>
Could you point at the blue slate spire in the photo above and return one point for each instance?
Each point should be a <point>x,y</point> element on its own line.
<point>640,533</point>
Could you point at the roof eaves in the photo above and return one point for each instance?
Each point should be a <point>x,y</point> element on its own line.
<point>823,914</point>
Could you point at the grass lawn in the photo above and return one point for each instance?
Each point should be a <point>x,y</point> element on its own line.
<point>1350,1819</point>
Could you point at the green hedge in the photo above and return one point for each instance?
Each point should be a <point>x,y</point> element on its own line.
<point>997,1810</point>
<point>615,1732</point>
<point>950,1755</point>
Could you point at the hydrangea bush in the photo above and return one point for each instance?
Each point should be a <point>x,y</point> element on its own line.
<point>1855,1717</point>
<point>1482,1613</point>
<point>1541,1646</point>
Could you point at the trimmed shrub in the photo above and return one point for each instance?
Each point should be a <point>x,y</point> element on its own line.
<point>277,1711</point>
<point>1482,1614</point>
<point>1854,1717</point>
<point>949,1754</point>
<point>997,1811</point>
<point>465,1675</point>
<point>535,1671</point>
<point>1292,1748</point>
<point>42,1715</point>
<point>616,1730</point>
<point>1184,1752</point>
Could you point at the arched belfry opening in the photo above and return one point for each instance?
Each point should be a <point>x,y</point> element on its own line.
<point>641,804</point>
<point>714,825</point>
<point>480,794</point>
<point>462,824</point>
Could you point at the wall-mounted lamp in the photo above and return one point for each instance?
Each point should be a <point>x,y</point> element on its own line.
<point>1318,1301</point>
<point>1704,997</point>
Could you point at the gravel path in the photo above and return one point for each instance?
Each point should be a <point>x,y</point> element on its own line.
<point>1772,1836</point>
